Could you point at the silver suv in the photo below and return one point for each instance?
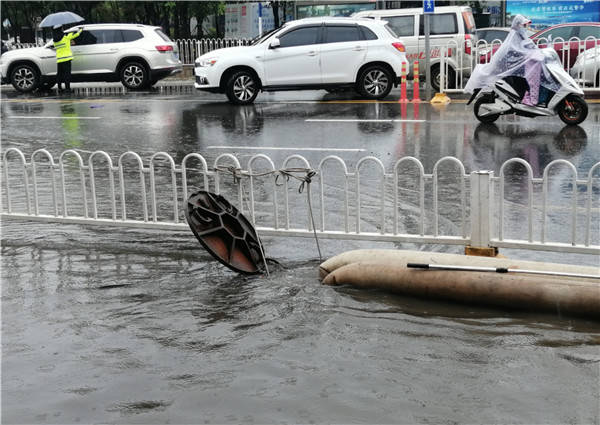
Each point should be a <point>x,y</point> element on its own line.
<point>136,55</point>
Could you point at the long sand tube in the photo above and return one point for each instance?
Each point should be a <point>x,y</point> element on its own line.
<point>401,258</point>
<point>580,297</point>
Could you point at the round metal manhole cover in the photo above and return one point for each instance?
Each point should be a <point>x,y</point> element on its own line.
<point>224,232</point>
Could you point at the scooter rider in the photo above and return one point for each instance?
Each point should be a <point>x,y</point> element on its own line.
<point>64,56</point>
<point>533,66</point>
<point>517,56</point>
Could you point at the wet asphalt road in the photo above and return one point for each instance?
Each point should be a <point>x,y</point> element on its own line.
<point>108,325</point>
<point>314,124</point>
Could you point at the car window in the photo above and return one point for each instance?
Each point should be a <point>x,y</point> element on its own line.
<point>368,34</point>
<point>262,38</point>
<point>162,35</point>
<point>299,37</point>
<point>341,33</point>
<point>391,31</point>
<point>589,31</point>
<point>111,36</point>
<point>98,37</point>
<point>562,32</point>
<point>402,25</point>
<point>491,35</point>
<point>131,35</point>
<point>86,38</point>
<point>439,24</point>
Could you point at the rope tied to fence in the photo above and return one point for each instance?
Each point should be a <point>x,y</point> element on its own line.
<point>236,172</point>
<point>295,173</point>
<point>305,180</point>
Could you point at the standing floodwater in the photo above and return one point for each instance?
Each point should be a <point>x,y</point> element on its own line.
<point>106,325</point>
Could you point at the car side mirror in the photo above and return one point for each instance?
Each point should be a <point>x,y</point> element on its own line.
<point>274,44</point>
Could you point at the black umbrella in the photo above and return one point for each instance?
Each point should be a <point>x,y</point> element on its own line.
<point>60,18</point>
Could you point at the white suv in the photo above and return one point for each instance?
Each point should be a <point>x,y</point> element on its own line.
<point>312,53</point>
<point>136,55</point>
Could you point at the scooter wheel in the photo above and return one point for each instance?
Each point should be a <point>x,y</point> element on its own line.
<point>572,110</point>
<point>485,118</point>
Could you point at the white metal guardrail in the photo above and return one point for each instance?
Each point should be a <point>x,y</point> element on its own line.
<point>368,202</point>
<point>191,49</point>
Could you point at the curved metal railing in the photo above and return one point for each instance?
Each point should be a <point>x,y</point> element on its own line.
<point>555,211</point>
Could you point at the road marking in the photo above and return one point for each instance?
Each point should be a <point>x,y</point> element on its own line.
<point>55,118</point>
<point>273,148</point>
<point>357,120</point>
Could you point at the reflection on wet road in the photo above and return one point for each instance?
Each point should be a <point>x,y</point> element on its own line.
<point>114,325</point>
<point>180,125</point>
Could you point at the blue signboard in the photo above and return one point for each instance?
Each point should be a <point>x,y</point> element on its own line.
<point>428,6</point>
<point>260,10</point>
<point>545,13</point>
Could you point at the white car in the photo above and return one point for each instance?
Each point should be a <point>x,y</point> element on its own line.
<point>308,54</point>
<point>452,33</point>
<point>586,70</point>
<point>136,55</point>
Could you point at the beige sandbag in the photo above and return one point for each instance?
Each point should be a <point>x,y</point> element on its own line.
<point>401,257</point>
<point>542,293</point>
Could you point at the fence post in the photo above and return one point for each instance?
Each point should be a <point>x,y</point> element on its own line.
<point>481,214</point>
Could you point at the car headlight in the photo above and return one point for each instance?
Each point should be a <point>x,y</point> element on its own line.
<point>206,62</point>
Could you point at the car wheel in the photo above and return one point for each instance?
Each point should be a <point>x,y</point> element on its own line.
<point>134,75</point>
<point>572,110</point>
<point>24,78</point>
<point>485,118</point>
<point>436,77</point>
<point>242,88</point>
<point>375,82</point>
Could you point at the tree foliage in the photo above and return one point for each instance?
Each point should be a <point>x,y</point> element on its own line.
<point>172,16</point>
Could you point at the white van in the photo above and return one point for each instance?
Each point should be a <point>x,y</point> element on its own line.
<point>452,29</point>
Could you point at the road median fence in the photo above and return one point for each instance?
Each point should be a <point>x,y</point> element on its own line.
<point>365,200</point>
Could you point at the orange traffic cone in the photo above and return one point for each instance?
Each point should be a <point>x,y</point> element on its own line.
<point>416,95</point>
<point>403,98</point>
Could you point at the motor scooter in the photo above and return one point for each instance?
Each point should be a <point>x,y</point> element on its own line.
<point>506,96</point>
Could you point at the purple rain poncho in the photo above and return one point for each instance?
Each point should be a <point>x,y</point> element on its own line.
<point>517,56</point>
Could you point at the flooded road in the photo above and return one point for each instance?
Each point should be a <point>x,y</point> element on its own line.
<point>131,326</point>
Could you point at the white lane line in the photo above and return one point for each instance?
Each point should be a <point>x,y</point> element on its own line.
<point>357,120</point>
<point>56,118</point>
<point>273,148</point>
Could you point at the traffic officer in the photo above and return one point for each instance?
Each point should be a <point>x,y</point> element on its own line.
<point>64,56</point>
